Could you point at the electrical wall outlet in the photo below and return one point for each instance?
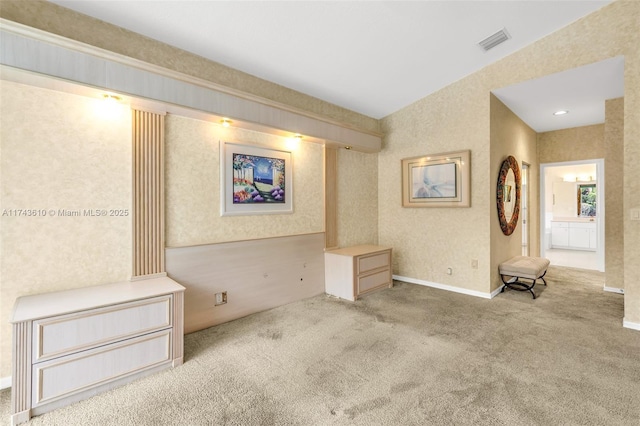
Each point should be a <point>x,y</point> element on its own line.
<point>474,263</point>
<point>449,271</point>
<point>221,298</point>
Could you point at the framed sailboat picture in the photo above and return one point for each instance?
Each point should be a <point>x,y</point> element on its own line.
<point>438,180</point>
<point>254,180</point>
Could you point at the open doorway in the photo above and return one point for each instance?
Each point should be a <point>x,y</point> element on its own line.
<point>572,213</point>
<point>524,203</point>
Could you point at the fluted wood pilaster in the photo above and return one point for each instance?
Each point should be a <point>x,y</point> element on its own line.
<point>148,193</point>
<point>178,328</point>
<point>330,197</point>
<point>21,374</point>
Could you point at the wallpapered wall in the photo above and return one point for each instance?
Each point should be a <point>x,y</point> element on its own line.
<point>458,116</point>
<point>193,186</point>
<point>357,198</point>
<point>577,143</point>
<point>426,241</point>
<point>61,156</point>
<point>510,135</point>
<point>429,240</point>
<point>592,142</point>
<point>614,175</point>
<point>67,23</point>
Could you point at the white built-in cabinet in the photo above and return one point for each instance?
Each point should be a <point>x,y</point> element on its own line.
<point>72,344</point>
<point>353,271</point>
<point>574,235</point>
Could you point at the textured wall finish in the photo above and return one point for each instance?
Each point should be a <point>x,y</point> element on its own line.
<point>71,163</point>
<point>511,136</point>
<point>631,172</point>
<point>614,174</point>
<point>427,241</point>
<point>67,23</point>
<point>577,143</point>
<point>610,32</point>
<point>29,49</point>
<point>193,186</point>
<point>591,142</point>
<point>457,117</point>
<point>357,198</point>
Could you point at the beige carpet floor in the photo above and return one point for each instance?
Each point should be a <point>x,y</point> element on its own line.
<point>410,355</point>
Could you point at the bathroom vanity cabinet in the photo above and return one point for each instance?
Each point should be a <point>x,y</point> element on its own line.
<point>574,235</point>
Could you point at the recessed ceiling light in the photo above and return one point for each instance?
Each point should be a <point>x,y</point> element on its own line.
<point>561,112</point>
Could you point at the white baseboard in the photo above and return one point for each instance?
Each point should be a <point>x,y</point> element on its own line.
<point>449,287</point>
<point>614,290</point>
<point>631,325</point>
<point>497,291</point>
<point>5,382</point>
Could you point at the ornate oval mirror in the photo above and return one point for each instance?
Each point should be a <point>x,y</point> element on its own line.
<point>508,195</point>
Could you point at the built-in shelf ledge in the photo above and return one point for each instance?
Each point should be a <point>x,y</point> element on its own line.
<point>35,51</point>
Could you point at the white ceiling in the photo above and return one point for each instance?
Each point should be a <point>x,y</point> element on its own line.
<point>580,91</point>
<point>373,57</point>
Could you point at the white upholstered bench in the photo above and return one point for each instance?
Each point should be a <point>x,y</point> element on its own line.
<point>523,267</point>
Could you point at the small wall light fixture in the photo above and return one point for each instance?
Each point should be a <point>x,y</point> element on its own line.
<point>294,141</point>
<point>111,98</point>
<point>225,122</point>
<point>110,107</point>
<point>561,112</point>
<point>347,147</point>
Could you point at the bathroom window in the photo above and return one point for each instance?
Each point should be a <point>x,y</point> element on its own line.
<point>587,200</point>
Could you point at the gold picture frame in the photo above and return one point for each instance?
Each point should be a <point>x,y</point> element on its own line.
<point>437,180</point>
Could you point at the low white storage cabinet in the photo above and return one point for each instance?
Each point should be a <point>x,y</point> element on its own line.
<point>353,271</point>
<point>70,345</point>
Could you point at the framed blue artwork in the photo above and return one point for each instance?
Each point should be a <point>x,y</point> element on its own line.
<point>254,180</point>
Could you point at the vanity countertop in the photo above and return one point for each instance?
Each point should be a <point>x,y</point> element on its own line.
<point>575,219</point>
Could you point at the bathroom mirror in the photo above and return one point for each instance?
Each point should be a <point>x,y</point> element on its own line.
<point>508,195</point>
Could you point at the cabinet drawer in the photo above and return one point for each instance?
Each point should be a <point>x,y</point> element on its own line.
<point>373,281</point>
<point>374,261</point>
<point>71,374</point>
<point>62,335</point>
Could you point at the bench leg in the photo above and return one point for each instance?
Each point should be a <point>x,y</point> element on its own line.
<point>531,289</point>
<point>542,278</point>
<point>519,285</point>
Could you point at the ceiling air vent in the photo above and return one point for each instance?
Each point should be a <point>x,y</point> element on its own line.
<point>494,39</point>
